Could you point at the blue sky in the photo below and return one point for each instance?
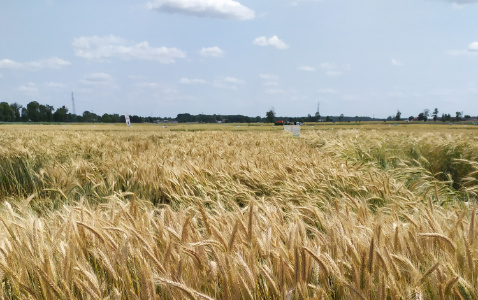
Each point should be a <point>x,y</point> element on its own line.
<point>164,57</point>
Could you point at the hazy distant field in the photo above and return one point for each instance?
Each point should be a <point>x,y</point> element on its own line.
<point>345,211</point>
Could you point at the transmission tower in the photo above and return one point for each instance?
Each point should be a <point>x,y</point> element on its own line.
<point>73,103</point>
<point>317,113</point>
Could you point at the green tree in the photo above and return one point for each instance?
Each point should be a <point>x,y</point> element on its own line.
<point>24,117</point>
<point>445,117</point>
<point>435,114</point>
<point>341,117</point>
<point>16,111</point>
<point>270,116</point>
<point>6,112</point>
<point>61,114</point>
<point>398,115</point>
<point>458,116</point>
<point>46,113</point>
<point>426,113</point>
<point>89,117</point>
<point>33,111</point>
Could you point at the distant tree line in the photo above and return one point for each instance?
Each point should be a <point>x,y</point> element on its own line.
<point>201,118</point>
<point>36,112</point>
<point>426,116</point>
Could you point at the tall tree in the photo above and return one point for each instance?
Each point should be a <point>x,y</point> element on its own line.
<point>6,112</point>
<point>24,117</point>
<point>398,115</point>
<point>46,113</point>
<point>270,116</point>
<point>426,113</point>
<point>458,116</point>
<point>435,114</point>
<point>61,114</point>
<point>16,111</point>
<point>33,111</point>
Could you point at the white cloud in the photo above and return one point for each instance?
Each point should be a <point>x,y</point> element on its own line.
<point>460,52</point>
<point>271,83</point>
<point>223,9</point>
<point>473,46</point>
<point>29,88</point>
<point>48,63</point>
<point>272,41</point>
<point>97,80</point>
<point>396,62</point>
<point>327,66</point>
<point>297,2</point>
<point>227,83</point>
<point>233,80</point>
<point>307,68</point>
<point>170,91</point>
<point>333,73</point>
<point>332,70</point>
<point>351,97</point>
<point>211,52</point>
<point>55,85</point>
<point>471,51</point>
<point>98,48</point>
<point>462,2</point>
<point>185,80</point>
<point>150,85</point>
<point>268,76</point>
<point>328,91</point>
<point>274,91</point>
<point>270,80</point>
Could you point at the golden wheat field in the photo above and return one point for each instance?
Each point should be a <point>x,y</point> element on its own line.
<point>248,212</point>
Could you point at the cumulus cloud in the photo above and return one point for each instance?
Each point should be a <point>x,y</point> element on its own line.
<point>462,2</point>
<point>332,70</point>
<point>227,83</point>
<point>268,76</point>
<point>274,91</point>
<point>149,85</point>
<point>186,80</point>
<point>328,91</point>
<point>269,80</point>
<point>472,50</point>
<point>48,63</point>
<point>222,9</point>
<point>473,46</point>
<point>99,48</point>
<point>54,85</point>
<point>273,41</point>
<point>97,80</point>
<point>297,2</point>
<point>29,88</point>
<point>233,80</point>
<point>270,83</point>
<point>211,52</point>
<point>396,62</point>
<point>307,68</point>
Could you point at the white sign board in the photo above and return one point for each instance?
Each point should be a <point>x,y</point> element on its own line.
<point>128,122</point>
<point>295,129</point>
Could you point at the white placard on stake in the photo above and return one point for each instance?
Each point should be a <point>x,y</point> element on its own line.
<point>295,129</point>
<point>128,122</point>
